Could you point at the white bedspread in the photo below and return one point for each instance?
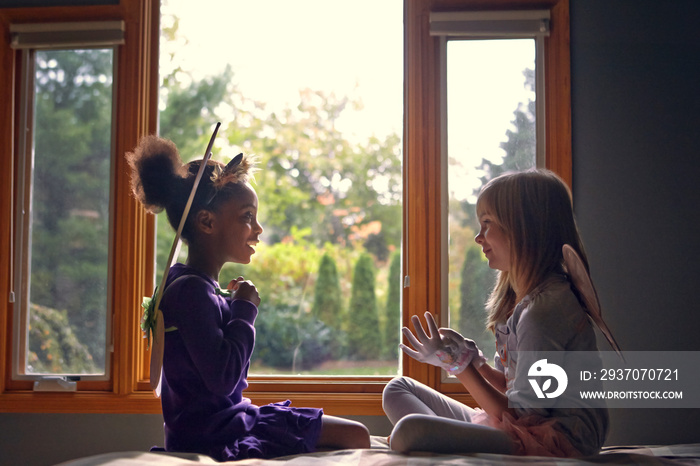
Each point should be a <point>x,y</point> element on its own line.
<point>379,455</point>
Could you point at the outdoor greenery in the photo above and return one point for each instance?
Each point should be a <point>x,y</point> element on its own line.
<point>70,210</point>
<point>328,269</point>
<point>392,312</point>
<point>470,279</point>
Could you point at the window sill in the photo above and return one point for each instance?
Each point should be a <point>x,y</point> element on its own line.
<point>341,403</point>
<point>22,401</point>
<point>342,399</point>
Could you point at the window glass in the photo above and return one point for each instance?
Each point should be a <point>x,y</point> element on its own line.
<point>491,130</point>
<point>319,99</point>
<point>65,271</point>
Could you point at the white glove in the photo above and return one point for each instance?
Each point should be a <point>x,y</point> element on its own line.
<point>462,349</point>
<point>443,348</point>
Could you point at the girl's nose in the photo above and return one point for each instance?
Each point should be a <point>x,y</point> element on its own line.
<point>479,238</point>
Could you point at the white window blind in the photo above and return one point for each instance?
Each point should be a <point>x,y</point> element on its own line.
<point>67,35</point>
<point>490,24</point>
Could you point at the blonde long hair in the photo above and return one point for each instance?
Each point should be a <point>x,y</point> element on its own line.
<point>535,210</point>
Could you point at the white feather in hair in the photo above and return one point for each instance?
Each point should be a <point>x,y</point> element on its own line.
<point>239,170</point>
<point>588,295</point>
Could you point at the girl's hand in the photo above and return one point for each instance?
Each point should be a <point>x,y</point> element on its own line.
<point>443,348</point>
<point>426,345</point>
<point>244,289</point>
<point>462,348</point>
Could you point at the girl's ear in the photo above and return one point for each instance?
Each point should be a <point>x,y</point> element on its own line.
<point>204,221</point>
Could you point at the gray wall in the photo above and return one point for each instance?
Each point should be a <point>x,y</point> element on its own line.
<point>636,122</point>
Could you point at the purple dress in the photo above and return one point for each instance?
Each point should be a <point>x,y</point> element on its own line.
<point>205,367</point>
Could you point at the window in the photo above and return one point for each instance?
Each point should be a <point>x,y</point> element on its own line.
<point>492,122</point>
<point>63,215</point>
<point>437,232</point>
<point>328,136</point>
<point>75,98</point>
<point>130,274</point>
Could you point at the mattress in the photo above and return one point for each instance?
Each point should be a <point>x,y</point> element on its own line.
<point>381,455</point>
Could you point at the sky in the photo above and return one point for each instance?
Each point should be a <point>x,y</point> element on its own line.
<point>485,85</point>
<point>278,47</point>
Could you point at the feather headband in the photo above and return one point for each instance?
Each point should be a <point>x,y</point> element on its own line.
<point>239,170</point>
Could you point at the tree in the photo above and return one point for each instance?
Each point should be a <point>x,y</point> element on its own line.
<point>476,283</point>
<point>70,204</point>
<point>364,337</point>
<point>392,316</point>
<point>312,175</point>
<point>328,305</point>
<point>520,147</point>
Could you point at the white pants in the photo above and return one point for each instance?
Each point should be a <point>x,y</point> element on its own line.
<point>426,420</point>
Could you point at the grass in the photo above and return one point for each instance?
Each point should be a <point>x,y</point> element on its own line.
<point>336,368</point>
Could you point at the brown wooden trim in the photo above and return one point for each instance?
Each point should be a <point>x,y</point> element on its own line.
<point>6,194</point>
<point>78,402</point>
<point>135,116</point>
<point>558,93</point>
<point>421,174</point>
<point>133,271</point>
<point>337,403</point>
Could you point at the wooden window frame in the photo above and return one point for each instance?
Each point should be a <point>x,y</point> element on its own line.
<point>136,115</point>
<point>422,149</point>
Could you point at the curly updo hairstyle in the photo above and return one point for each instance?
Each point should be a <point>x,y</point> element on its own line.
<point>161,181</point>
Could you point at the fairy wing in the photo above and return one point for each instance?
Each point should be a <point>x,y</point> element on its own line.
<point>158,345</point>
<point>582,281</point>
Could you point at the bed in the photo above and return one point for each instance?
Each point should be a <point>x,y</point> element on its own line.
<point>380,455</point>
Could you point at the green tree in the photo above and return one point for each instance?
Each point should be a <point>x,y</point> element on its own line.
<point>476,282</point>
<point>70,200</point>
<point>392,316</point>
<point>520,147</point>
<point>364,336</point>
<point>312,175</point>
<point>328,306</point>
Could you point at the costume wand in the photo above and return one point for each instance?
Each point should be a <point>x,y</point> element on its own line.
<point>159,334</point>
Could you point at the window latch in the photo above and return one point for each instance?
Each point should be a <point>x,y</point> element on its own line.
<point>56,384</point>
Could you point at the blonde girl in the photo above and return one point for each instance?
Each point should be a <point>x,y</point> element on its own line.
<point>525,220</point>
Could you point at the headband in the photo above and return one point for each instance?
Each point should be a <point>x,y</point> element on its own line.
<point>239,170</point>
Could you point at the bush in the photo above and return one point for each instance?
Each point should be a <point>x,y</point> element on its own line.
<point>290,340</point>
<point>53,346</point>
